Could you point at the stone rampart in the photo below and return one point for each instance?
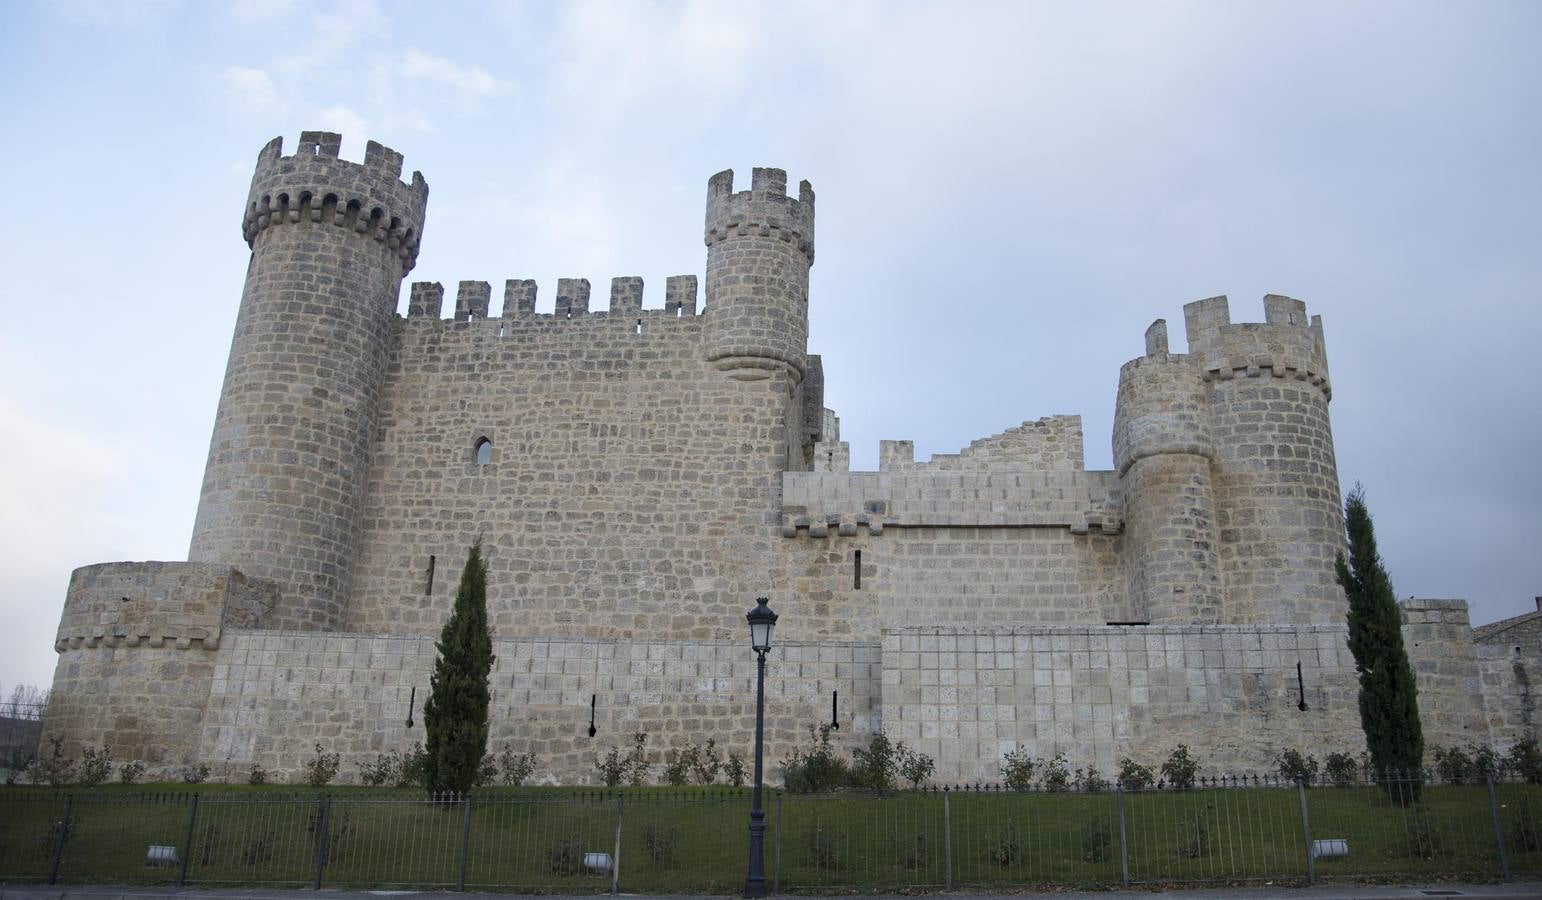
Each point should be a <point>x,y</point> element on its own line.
<point>969,695</point>
<point>275,694</point>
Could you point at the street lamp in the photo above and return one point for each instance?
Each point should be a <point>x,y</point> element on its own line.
<point>762,621</point>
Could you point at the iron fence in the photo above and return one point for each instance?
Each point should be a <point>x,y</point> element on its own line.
<point>665,840</point>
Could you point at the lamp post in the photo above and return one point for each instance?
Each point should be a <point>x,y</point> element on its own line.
<point>762,620</point>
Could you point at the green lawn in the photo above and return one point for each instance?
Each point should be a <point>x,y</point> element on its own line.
<point>678,840</point>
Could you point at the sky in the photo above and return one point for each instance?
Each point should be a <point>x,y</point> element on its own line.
<point>1009,193</point>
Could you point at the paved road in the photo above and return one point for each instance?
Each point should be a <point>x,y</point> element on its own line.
<point>1514,891</point>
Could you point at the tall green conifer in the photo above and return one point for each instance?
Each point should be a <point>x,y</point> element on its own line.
<point>1389,696</point>
<point>455,716</point>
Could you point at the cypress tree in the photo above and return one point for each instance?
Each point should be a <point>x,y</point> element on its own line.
<point>455,716</point>
<point>1389,696</point>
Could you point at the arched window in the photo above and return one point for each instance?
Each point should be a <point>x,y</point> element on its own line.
<point>484,451</point>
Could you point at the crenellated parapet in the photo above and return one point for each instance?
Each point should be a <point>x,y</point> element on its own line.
<point>176,605</point>
<point>764,210</point>
<point>1287,344</point>
<point>473,299</point>
<point>315,186</point>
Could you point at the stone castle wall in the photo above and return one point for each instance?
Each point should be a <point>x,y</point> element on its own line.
<point>275,694</point>
<point>649,472</point>
<point>628,492</point>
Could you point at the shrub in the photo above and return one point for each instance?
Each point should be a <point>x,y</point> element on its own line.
<point>637,760</point>
<point>1056,774</point>
<point>1526,758</point>
<point>1090,780</point>
<point>18,766</point>
<point>660,846</point>
<point>874,766</point>
<point>1453,764</point>
<point>257,774</point>
<point>734,769</point>
<point>414,767</point>
<point>612,768</point>
<point>1180,768</point>
<point>1133,776</point>
<point>707,763</point>
<point>54,769</point>
<point>678,764</point>
<point>194,773</point>
<point>915,767</point>
<point>514,770</point>
<point>819,768</point>
<point>131,772</point>
<point>1340,769</point>
<point>384,769</point>
<point>95,765</point>
<point>1095,837</point>
<point>1485,761</point>
<point>1295,767</point>
<point>1017,768</point>
<point>1005,847</point>
<point>321,768</point>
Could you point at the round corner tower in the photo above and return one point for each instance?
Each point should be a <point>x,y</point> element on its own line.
<point>331,241</point>
<point>760,246</point>
<point>1162,453</point>
<point>1279,515</point>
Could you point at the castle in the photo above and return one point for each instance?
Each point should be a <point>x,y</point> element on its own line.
<point>640,475</point>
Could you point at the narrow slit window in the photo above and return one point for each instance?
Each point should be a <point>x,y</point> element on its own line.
<point>639,326</point>
<point>430,590</point>
<point>484,451</point>
<point>856,570</point>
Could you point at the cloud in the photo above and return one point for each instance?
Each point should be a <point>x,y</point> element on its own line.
<point>469,80</point>
<point>252,88</point>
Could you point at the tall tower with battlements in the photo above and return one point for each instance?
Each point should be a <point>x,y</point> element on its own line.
<point>331,241</point>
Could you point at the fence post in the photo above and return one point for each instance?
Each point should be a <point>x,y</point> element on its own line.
<point>947,840</point>
<point>1499,835</point>
<point>1124,847</point>
<point>60,836</point>
<point>1306,833</point>
<point>187,843</point>
<point>776,843</point>
<point>465,838</point>
<point>615,859</point>
<point>323,822</point>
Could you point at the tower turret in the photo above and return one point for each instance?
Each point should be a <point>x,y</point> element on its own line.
<point>331,241</point>
<point>1278,512</point>
<point>1162,452</point>
<point>760,246</point>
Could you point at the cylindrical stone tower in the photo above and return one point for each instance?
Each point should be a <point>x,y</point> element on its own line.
<point>760,245</point>
<point>1278,511</point>
<point>331,241</point>
<point>1162,452</point>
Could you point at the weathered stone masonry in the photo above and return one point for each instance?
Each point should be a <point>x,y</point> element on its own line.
<point>638,475</point>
